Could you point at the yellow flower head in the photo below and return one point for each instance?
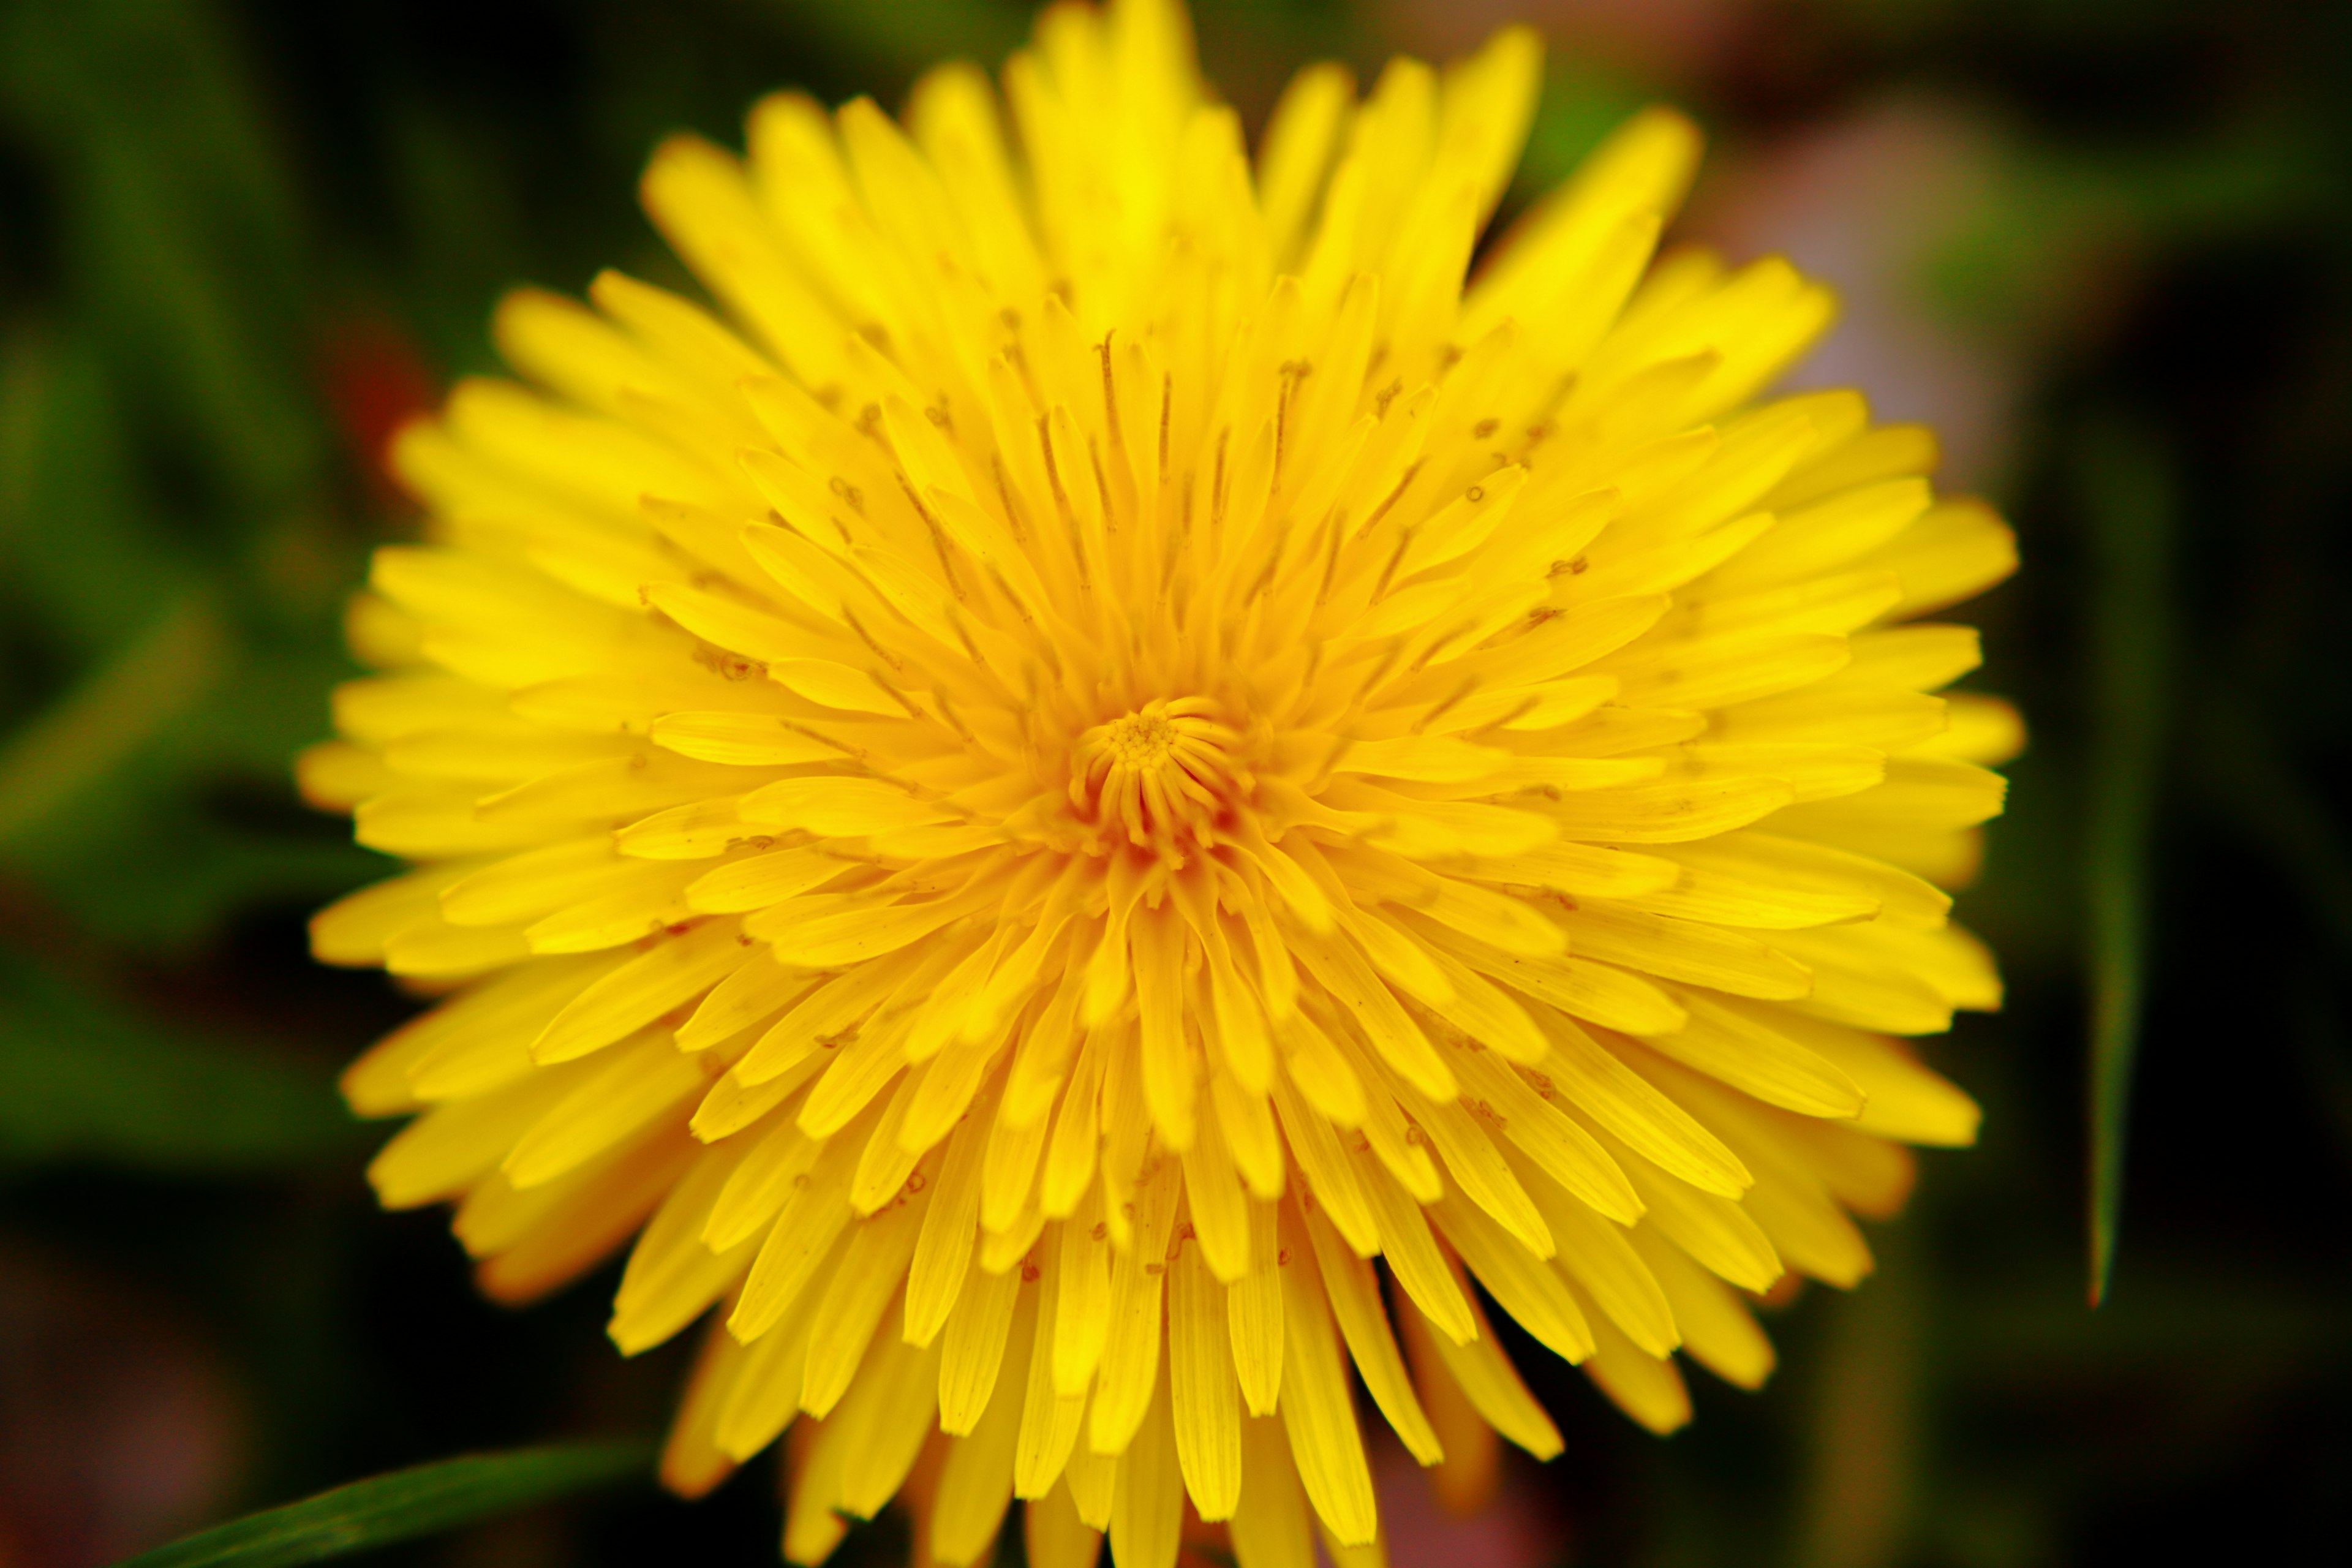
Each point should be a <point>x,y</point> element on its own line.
<point>1107,750</point>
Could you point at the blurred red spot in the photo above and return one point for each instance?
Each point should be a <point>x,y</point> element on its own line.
<point>376,380</point>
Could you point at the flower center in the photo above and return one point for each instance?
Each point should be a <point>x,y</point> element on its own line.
<point>1163,773</point>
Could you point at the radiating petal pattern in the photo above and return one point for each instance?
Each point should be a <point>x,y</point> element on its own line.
<point>1106,752</point>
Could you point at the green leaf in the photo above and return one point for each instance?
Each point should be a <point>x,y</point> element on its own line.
<point>403,1505</point>
<point>79,1079</point>
<point>2126,504</point>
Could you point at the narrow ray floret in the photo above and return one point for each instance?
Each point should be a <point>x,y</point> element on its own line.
<point>1103,803</point>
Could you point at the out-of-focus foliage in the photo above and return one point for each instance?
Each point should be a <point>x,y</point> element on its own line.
<point>239,238</point>
<point>83,1079</point>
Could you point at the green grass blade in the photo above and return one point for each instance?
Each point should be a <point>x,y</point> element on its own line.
<point>110,714</point>
<point>2127,508</point>
<point>402,1505</point>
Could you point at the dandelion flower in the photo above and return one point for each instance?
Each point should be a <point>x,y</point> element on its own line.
<point>1106,752</point>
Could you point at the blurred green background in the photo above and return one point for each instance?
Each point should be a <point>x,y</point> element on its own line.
<point>2104,245</point>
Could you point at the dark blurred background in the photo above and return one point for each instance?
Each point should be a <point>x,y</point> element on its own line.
<point>2105,245</point>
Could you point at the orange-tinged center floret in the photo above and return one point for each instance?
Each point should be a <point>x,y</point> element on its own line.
<point>1161,775</point>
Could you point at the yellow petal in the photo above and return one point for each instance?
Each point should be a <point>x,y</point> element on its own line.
<point>1319,1412</point>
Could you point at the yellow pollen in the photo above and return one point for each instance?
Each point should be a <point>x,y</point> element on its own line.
<point>1164,772</point>
<point>1140,741</point>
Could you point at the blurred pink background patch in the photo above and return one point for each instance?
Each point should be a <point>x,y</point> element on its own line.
<point>118,1430</point>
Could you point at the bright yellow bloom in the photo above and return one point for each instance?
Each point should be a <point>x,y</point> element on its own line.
<point>1110,744</point>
